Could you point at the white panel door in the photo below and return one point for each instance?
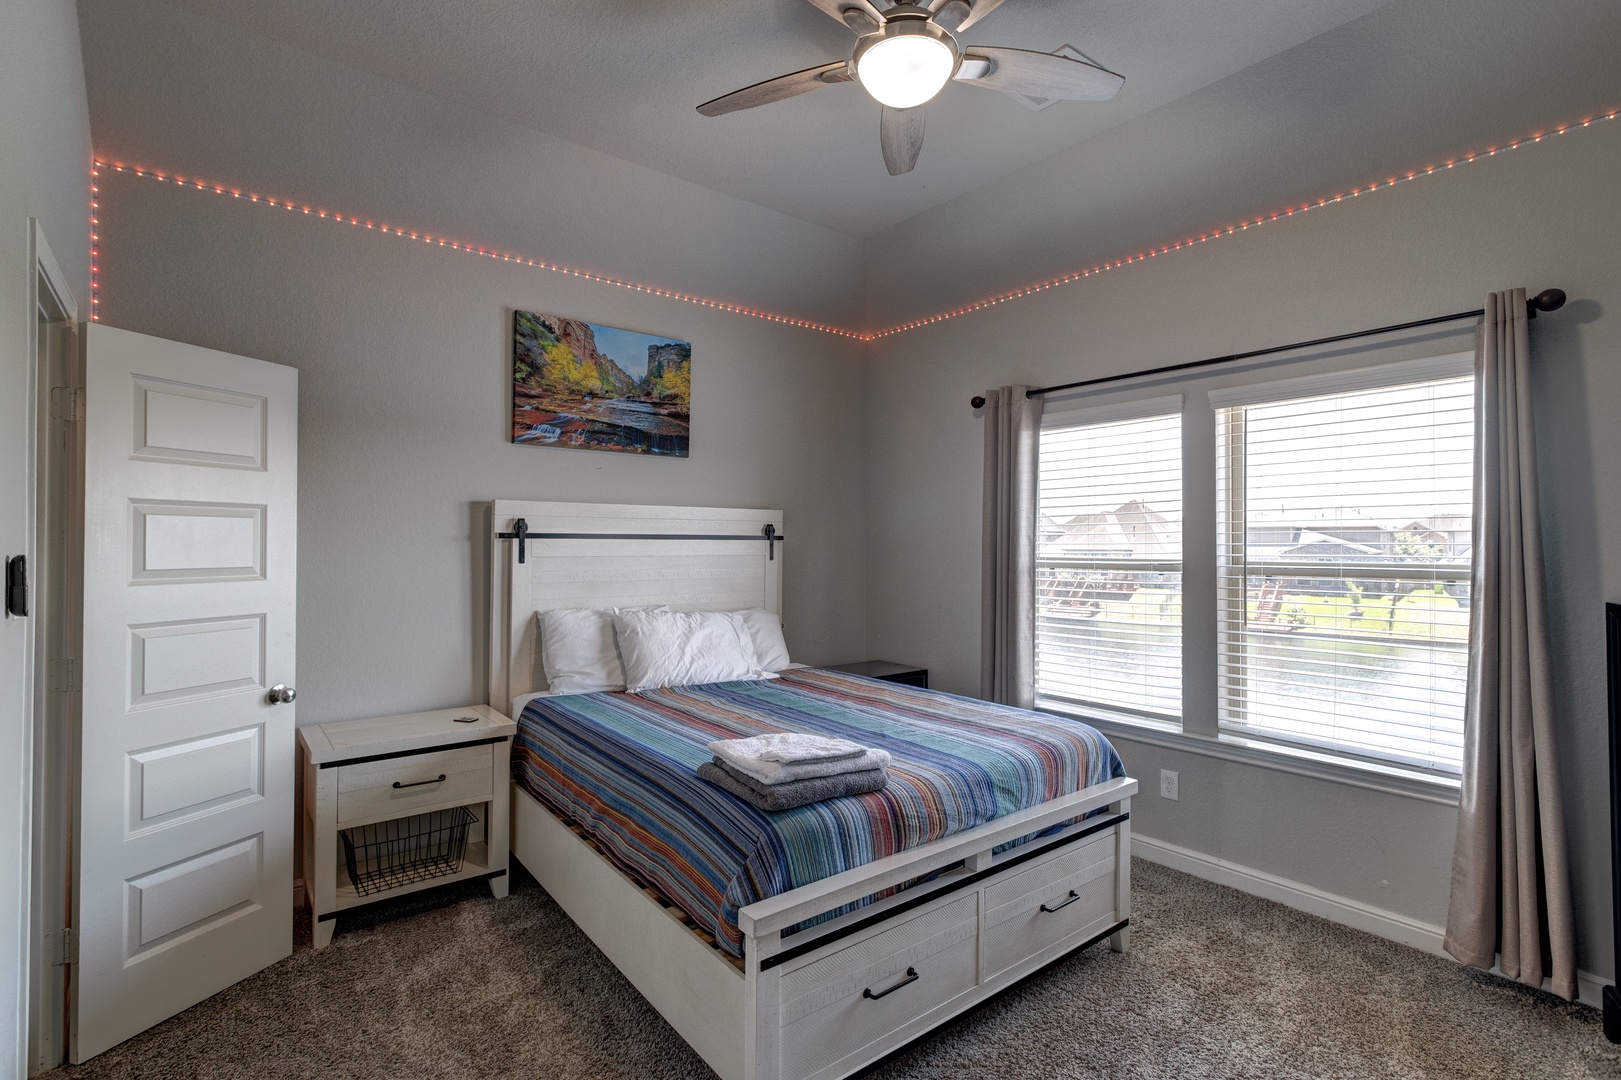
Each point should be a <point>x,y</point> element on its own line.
<point>183,879</point>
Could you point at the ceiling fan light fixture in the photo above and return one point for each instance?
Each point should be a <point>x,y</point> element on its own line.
<point>906,67</point>
<point>906,52</point>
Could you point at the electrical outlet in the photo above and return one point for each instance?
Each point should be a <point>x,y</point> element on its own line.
<point>1168,784</point>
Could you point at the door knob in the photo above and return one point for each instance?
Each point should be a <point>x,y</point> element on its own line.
<point>281,694</point>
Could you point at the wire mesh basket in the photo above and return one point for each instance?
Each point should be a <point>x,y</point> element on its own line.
<point>406,850</point>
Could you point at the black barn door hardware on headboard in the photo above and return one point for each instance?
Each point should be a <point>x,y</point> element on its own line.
<point>520,532</point>
<point>1546,300</point>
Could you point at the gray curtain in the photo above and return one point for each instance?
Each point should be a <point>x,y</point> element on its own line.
<point>1007,667</point>
<point>1510,877</point>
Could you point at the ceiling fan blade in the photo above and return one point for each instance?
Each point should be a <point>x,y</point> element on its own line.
<point>1038,74</point>
<point>783,86</point>
<point>859,15</point>
<point>977,10</point>
<point>901,132</point>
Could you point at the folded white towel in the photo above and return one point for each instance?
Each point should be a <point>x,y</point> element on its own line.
<point>776,772</point>
<point>788,747</point>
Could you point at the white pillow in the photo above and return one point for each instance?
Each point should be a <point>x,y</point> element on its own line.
<point>578,652</point>
<point>765,629</point>
<point>684,648</point>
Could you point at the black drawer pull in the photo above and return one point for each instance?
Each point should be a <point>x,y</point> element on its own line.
<point>1073,896</point>
<point>911,977</point>
<point>418,783</point>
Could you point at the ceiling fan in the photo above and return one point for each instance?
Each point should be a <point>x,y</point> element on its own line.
<point>907,52</point>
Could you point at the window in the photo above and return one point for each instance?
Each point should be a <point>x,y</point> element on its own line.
<point>1344,563</point>
<point>1109,560</point>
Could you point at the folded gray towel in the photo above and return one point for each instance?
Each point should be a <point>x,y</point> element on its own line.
<point>744,757</point>
<point>795,792</point>
<point>764,790</point>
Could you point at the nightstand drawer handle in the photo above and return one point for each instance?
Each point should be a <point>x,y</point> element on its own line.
<point>911,977</point>
<point>418,783</point>
<point>1073,896</point>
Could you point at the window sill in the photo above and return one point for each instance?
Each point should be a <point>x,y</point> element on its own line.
<point>1390,780</point>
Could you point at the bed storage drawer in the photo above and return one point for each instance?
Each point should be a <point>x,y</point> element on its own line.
<point>835,1006</point>
<point>367,790</point>
<point>1071,892</point>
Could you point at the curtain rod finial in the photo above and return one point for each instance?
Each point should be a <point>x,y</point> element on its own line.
<point>978,401</point>
<point>1548,300</point>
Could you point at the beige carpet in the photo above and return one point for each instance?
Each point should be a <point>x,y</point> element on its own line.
<point>1219,984</point>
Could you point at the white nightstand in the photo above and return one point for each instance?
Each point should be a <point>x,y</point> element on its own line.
<point>408,774</point>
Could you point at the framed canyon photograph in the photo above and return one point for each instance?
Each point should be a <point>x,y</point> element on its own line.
<point>585,386</point>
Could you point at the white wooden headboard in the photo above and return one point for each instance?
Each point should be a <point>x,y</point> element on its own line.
<point>693,558</point>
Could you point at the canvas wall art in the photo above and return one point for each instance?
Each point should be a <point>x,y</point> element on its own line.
<point>586,386</point>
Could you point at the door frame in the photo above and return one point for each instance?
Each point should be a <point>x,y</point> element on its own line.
<point>55,547</point>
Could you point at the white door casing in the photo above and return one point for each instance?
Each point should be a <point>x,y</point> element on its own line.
<point>56,577</point>
<point>184,841</point>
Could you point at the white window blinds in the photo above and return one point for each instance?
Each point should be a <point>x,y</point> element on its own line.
<point>1109,563</point>
<point>1345,557</point>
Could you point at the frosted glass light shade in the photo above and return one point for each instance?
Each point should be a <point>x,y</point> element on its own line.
<point>905,71</point>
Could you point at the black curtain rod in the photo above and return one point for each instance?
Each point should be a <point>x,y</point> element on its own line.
<point>1547,300</point>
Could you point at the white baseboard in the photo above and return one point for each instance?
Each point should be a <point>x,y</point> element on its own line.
<point>1426,937</point>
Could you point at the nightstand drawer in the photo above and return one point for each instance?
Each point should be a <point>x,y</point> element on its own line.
<point>398,786</point>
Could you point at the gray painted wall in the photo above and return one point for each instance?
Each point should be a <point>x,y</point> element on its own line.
<point>404,367</point>
<point>403,351</point>
<point>1539,217</point>
<point>44,173</point>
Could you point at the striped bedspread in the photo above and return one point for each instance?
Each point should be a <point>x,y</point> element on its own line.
<point>622,767</point>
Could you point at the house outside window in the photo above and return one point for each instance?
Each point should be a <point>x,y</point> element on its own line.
<point>1109,560</point>
<point>1345,521</point>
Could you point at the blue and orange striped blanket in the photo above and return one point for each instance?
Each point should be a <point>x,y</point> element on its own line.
<point>622,767</point>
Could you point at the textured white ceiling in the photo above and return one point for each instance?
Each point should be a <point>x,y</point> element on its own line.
<point>624,76</point>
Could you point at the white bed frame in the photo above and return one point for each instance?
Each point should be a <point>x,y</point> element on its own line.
<point>825,1002</point>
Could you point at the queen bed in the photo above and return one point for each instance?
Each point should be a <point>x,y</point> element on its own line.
<point>811,942</point>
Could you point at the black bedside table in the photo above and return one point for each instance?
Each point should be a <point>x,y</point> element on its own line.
<point>887,671</point>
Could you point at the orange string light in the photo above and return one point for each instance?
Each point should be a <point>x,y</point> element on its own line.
<point>738,309</point>
<point>438,241</point>
<point>1229,230</point>
<point>95,241</point>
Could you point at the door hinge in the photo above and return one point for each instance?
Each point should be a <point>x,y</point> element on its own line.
<point>62,947</point>
<point>64,675</point>
<point>67,403</point>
